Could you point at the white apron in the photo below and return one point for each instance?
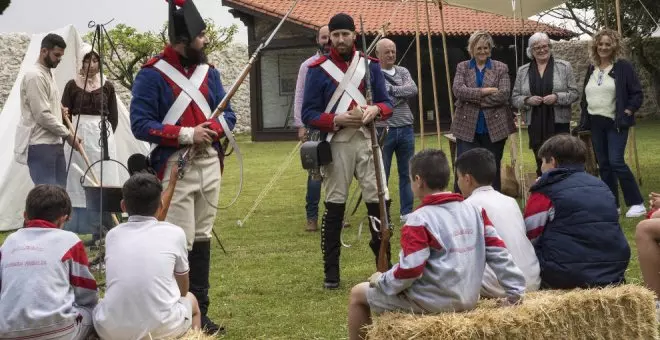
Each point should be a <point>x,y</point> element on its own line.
<point>90,132</point>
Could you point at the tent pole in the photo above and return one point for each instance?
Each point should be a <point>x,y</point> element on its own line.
<point>435,89</point>
<point>419,74</point>
<point>444,51</point>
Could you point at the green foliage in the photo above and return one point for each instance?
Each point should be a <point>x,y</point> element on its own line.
<point>635,19</point>
<point>135,48</point>
<point>3,5</point>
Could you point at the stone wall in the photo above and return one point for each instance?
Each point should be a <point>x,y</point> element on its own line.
<point>229,61</point>
<point>577,53</point>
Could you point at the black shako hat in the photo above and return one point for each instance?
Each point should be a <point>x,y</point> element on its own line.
<point>185,22</point>
<point>341,21</point>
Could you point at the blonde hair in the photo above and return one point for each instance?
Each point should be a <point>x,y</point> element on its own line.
<point>616,45</point>
<point>476,37</point>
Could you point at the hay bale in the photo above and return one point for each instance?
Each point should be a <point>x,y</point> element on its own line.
<point>624,312</point>
<point>196,335</point>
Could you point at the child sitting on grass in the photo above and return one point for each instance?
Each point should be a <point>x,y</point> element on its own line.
<point>46,288</point>
<point>445,246</point>
<point>147,271</point>
<point>572,220</point>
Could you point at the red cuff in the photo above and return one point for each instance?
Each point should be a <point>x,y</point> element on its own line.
<point>325,122</point>
<point>217,127</point>
<point>169,135</point>
<point>648,216</point>
<point>385,111</point>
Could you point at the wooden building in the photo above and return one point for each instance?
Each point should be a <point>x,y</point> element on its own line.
<point>273,77</point>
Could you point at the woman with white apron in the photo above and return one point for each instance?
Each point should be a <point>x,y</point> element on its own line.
<point>86,99</point>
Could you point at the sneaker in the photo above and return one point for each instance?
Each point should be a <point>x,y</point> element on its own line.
<point>331,285</point>
<point>636,211</point>
<point>403,218</point>
<point>618,211</point>
<point>210,328</point>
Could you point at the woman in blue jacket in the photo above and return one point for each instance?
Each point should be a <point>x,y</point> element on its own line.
<point>612,95</point>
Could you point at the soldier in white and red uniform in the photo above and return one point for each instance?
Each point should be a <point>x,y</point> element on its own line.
<point>174,95</point>
<point>332,112</point>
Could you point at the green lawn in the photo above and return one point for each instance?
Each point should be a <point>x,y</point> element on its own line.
<point>269,285</point>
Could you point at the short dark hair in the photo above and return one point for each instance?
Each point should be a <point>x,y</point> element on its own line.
<point>53,40</point>
<point>432,167</point>
<point>478,163</point>
<point>142,194</point>
<point>47,202</point>
<point>565,149</point>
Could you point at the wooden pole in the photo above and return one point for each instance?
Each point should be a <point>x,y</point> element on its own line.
<point>419,74</point>
<point>632,137</point>
<point>435,89</point>
<point>444,51</point>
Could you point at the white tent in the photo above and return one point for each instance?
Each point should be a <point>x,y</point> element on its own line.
<point>524,8</point>
<point>15,182</point>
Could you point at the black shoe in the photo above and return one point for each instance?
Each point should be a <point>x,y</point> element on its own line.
<point>210,328</point>
<point>331,285</point>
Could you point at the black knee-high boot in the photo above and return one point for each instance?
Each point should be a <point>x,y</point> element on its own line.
<point>331,242</point>
<point>374,210</point>
<point>200,261</point>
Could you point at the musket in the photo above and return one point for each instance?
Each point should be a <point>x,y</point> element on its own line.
<point>382,264</point>
<point>190,151</point>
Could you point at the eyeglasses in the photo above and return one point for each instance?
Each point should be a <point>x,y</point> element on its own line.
<point>601,73</point>
<point>541,48</point>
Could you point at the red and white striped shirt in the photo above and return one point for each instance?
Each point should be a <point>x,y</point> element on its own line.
<point>445,246</point>
<point>538,213</point>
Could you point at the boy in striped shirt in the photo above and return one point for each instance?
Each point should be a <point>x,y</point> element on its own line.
<point>46,288</point>
<point>445,246</point>
<point>571,218</point>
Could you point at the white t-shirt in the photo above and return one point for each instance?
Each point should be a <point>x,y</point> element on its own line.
<point>601,93</point>
<point>142,256</point>
<point>504,212</point>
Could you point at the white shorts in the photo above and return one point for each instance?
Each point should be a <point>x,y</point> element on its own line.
<point>379,302</point>
<point>178,323</point>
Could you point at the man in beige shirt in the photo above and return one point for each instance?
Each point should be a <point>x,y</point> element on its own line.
<point>40,131</point>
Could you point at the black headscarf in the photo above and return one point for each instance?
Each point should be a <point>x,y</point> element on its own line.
<point>542,124</point>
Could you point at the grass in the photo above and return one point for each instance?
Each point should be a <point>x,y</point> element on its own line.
<point>269,284</point>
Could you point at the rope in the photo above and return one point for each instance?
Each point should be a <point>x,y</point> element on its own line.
<point>270,184</point>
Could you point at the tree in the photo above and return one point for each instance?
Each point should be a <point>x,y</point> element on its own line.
<point>3,5</point>
<point>590,15</point>
<point>136,48</point>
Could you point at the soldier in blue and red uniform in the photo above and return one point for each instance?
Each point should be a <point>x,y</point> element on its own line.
<point>173,97</point>
<point>342,121</point>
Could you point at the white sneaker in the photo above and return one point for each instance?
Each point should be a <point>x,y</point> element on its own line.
<point>403,218</point>
<point>618,211</point>
<point>636,211</point>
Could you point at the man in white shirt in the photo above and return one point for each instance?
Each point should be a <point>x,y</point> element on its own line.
<point>40,131</point>
<point>475,171</point>
<point>146,271</point>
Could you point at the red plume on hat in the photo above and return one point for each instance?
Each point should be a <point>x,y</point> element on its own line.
<point>178,2</point>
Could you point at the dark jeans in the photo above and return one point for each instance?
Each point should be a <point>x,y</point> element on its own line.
<point>610,146</point>
<point>559,129</point>
<point>400,141</point>
<point>47,164</point>
<point>482,141</point>
<point>312,198</point>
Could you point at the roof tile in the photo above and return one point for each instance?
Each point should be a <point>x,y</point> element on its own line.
<point>459,21</point>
